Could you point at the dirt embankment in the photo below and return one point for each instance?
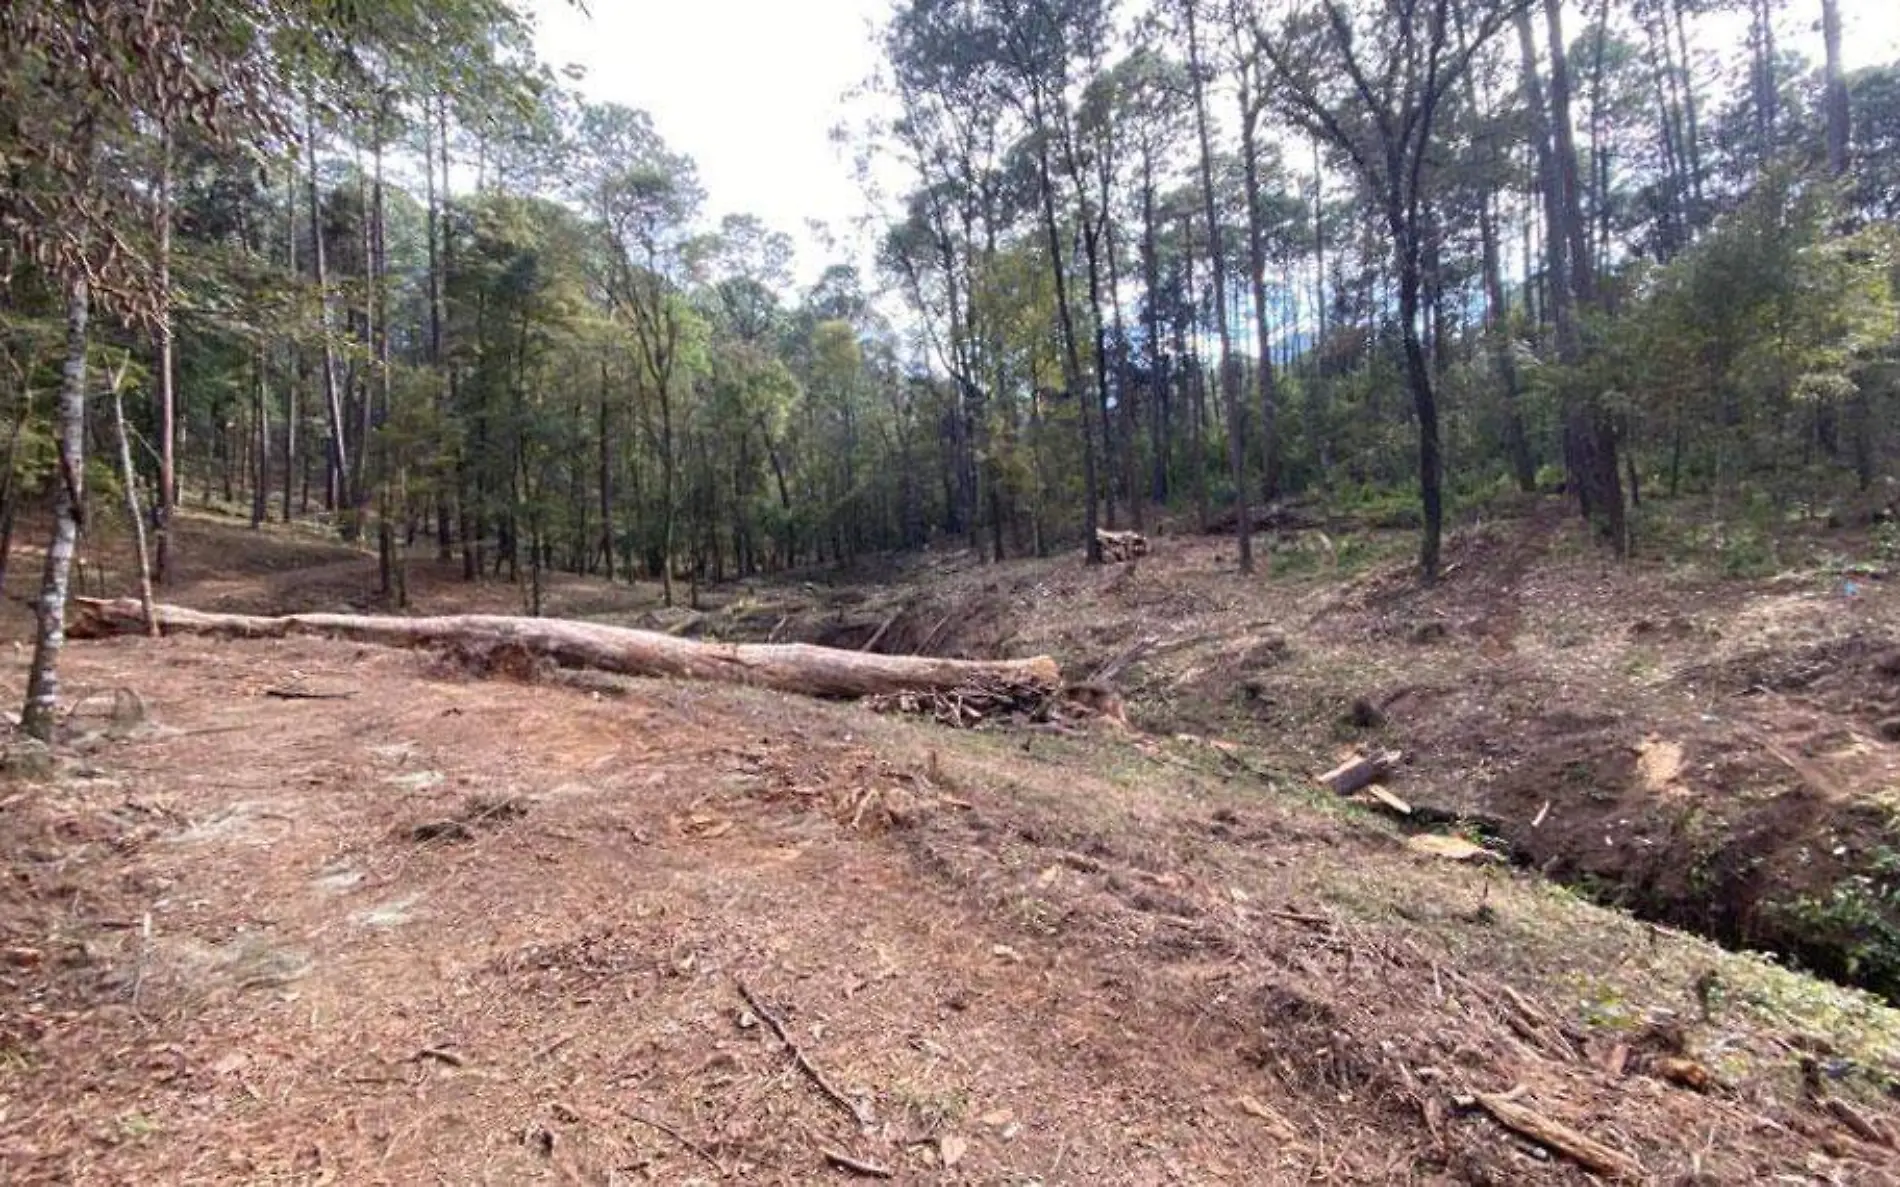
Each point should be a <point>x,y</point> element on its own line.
<point>1716,754</point>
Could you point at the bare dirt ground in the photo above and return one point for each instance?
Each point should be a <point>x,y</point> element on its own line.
<point>448,928</point>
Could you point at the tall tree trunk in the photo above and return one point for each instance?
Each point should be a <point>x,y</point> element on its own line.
<point>260,440</point>
<point>1573,229</point>
<point>1690,109</point>
<point>1590,445</point>
<point>1229,366</point>
<point>42,685</point>
<point>607,474</point>
<point>1257,270</point>
<point>1668,84</point>
<point>333,399</point>
<point>1418,373</point>
<point>1194,384</point>
<point>1497,327</point>
<point>1071,351</point>
<point>293,378</point>
<point>1124,390</point>
<point>366,410</point>
<point>393,504</point>
<point>1092,231</point>
<point>1767,92</point>
<point>167,396</point>
<point>1837,112</point>
<point>1160,432</point>
<point>9,483</point>
<point>128,476</point>
<point>438,315</point>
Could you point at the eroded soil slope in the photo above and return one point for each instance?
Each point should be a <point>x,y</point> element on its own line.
<point>1716,753</point>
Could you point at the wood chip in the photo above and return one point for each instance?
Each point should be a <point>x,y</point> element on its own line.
<point>1617,1060</point>
<point>1449,848</point>
<point>951,1148</point>
<point>1277,1125</point>
<point>1389,800</point>
<point>1685,1072</point>
<point>857,1166</point>
<point>1580,1148</point>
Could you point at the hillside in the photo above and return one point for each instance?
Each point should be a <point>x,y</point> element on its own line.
<point>524,926</point>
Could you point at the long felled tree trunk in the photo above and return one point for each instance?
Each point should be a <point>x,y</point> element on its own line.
<point>794,667</point>
<point>42,685</point>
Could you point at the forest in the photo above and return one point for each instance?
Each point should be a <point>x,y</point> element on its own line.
<point>1307,593</point>
<point>376,264</point>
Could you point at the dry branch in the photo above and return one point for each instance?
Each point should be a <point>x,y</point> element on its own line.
<point>793,667</point>
<point>1580,1148</point>
<point>798,1057</point>
<point>858,1166</point>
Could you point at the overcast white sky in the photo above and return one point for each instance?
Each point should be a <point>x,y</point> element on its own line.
<point>752,88</point>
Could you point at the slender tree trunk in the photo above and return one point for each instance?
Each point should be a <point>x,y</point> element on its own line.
<point>1767,97</point>
<point>1071,351</point>
<point>439,233</point>
<point>1092,231</point>
<point>1837,110</point>
<point>42,686</point>
<point>9,484</point>
<point>1573,229</point>
<point>607,475</point>
<point>1497,318</point>
<point>128,475</point>
<point>1130,417</point>
<point>1229,366</point>
<point>1418,374</point>
<point>167,397</point>
<point>1194,383</point>
<point>260,440</point>
<point>1257,269</point>
<point>1690,110</point>
<point>366,409</point>
<point>1590,447</point>
<point>333,399</point>
<point>1160,432</point>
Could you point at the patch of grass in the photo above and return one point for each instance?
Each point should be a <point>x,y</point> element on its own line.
<point>137,1125</point>
<point>1851,929</point>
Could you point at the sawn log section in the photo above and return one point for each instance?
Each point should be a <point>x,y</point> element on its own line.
<point>789,667</point>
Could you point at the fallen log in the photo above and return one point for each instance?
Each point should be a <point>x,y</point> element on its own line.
<point>789,667</point>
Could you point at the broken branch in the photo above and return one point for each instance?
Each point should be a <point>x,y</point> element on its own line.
<point>805,1065</point>
<point>1580,1148</point>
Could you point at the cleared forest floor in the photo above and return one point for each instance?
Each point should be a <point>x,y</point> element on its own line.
<point>450,927</point>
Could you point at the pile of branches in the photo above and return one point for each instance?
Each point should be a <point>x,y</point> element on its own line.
<point>971,705</point>
<point>981,703</point>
